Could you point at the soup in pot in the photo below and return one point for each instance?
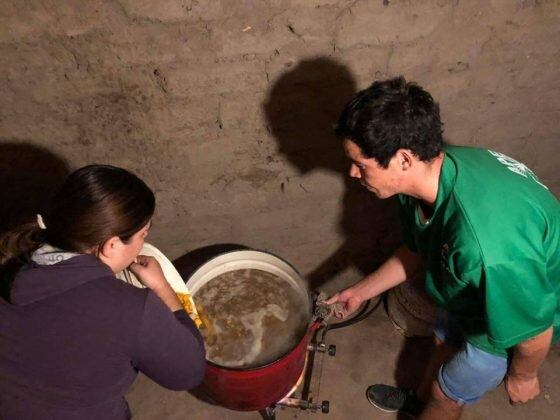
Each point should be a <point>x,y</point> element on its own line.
<point>253,317</point>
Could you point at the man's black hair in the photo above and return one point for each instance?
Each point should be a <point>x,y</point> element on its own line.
<point>391,115</point>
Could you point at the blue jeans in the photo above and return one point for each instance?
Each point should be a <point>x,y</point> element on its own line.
<point>471,372</point>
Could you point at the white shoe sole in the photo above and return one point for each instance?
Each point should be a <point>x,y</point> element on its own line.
<point>386,410</point>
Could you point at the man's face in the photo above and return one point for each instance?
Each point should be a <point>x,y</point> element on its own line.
<point>383,182</point>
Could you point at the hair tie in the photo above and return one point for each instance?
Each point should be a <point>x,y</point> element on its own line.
<point>41,222</point>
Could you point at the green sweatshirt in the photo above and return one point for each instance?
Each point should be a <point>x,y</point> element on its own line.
<point>491,248</point>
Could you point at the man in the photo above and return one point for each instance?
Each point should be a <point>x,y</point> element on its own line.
<point>485,231</point>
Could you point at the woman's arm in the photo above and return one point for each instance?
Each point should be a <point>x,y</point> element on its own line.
<point>169,348</point>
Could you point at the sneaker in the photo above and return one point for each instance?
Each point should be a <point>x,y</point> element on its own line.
<point>392,399</point>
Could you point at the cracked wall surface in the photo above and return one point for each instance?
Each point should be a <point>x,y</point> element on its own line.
<point>225,107</point>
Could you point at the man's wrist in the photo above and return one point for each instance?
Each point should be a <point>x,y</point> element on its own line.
<point>358,292</point>
<point>525,376</point>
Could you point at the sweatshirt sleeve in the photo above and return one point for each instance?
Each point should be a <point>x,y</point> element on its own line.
<point>169,348</point>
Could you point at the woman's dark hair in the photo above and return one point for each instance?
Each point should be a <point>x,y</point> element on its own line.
<point>392,115</point>
<point>94,204</point>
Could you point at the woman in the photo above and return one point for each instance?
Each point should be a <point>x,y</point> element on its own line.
<point>72,336</point>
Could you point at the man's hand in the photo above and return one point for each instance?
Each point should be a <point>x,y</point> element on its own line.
<point>521,389</point>
<point>349,301</point>
<point>522,383</point>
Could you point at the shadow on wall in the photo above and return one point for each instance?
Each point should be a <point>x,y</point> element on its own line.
<point>30,176</point>
<point>300,110</point>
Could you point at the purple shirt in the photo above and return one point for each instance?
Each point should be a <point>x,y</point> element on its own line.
<point>73,338</point>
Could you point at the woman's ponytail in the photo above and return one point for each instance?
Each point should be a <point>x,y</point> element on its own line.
<point>20,240</point>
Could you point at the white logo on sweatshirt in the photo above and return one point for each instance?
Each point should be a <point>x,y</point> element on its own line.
<point>517,167</point>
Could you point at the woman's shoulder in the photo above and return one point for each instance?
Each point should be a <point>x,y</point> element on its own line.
<point>116,291</point>
<point>112,305</point>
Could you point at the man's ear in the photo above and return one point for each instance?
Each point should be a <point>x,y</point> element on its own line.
<point>405,159</point>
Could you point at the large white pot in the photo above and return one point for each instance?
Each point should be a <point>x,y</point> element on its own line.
<point>249,259</point>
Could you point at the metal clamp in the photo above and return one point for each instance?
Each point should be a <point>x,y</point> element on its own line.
<point>324,311</point>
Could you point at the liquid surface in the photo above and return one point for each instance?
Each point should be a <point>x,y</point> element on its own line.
<point>255,317</point>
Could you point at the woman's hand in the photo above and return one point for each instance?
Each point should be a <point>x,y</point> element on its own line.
<point>148,271</point>
<point>347,302</point>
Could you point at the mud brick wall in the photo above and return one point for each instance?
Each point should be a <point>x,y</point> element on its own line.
<point>225,107</point>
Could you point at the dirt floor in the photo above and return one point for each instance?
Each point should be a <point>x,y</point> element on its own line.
<point>369,352</point>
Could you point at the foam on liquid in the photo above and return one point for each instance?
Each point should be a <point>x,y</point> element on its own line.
<point>256,317</point>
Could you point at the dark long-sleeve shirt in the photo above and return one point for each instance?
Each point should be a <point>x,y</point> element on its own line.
<point>73,337</point>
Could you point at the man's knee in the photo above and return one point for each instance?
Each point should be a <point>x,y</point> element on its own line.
<point>440,406</point>
<point>439,397</point>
